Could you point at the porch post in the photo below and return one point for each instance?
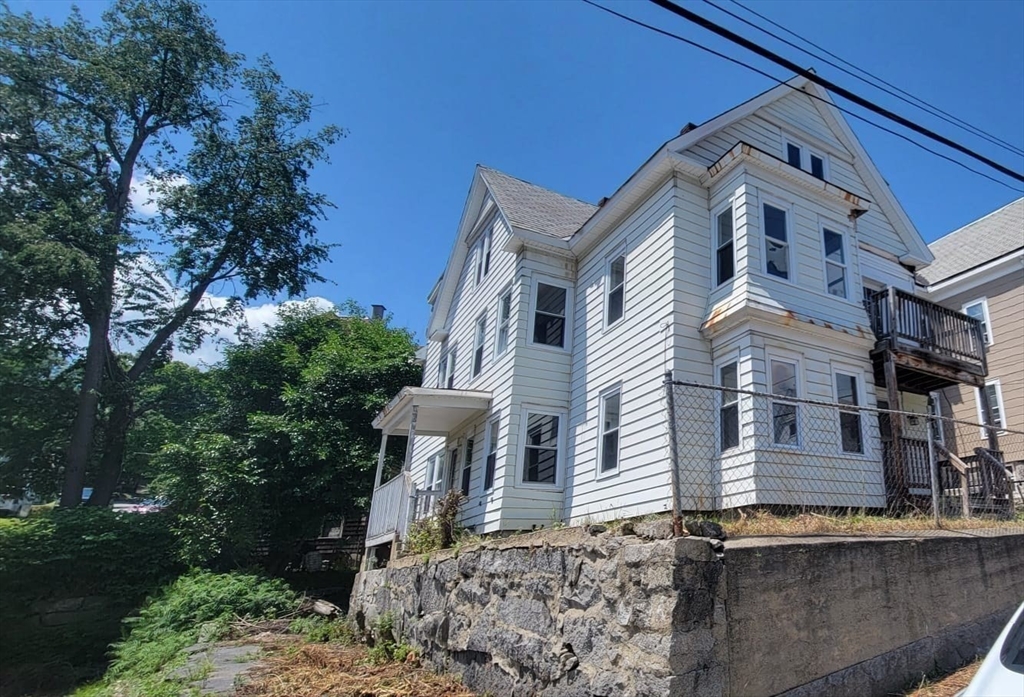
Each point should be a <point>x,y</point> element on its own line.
<point>412,436</point>
<point>380,459</point>
<point>899,472</point>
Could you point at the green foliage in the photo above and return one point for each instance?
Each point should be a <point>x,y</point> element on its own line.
<point>63,555</point>
<point>290,441</point>
<point>387,646</point>
<point>324,629</point>
<point>440,530</point>
<point>197,607</point>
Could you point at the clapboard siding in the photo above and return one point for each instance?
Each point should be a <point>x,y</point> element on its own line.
<point>630,354</point>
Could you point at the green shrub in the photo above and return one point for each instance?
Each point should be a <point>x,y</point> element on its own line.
<point>386,644</point>
<point>116,559</point>
<point>324,630</point>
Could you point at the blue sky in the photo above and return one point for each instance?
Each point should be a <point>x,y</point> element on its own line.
<point>565,96</point>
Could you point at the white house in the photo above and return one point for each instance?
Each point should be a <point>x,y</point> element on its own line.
<point>739,254</point>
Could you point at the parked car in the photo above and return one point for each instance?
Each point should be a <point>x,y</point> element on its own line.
<point>19,507</point>
<point>1002,672</point>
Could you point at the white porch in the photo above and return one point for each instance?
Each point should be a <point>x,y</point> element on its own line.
<point>423,411</point>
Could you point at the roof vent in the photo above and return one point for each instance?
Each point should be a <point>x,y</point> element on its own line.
<point>377,311</point>
<point>687,128</point>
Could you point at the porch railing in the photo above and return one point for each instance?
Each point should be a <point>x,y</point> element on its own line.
<point>389,510</point>
<point>907,321</point>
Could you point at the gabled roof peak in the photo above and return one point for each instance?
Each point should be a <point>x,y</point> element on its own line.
<point>533,207</point>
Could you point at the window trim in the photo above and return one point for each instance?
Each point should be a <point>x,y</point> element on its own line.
<point>783,356</point>
<point>559,483</point>
<point>569,300</point>
<point>600,472</point>
<point>482,248</point>
<point>430,475</point>
<point>1001,428</point>
<point>479,346</point>
<point>983,301</point>
<point>489,445</point>
<point>787,208</point>
<point>728,204</point>
<point>508,323</point>
<point>860,383</point>
<point>449,354</point>
<point>827,226</point>
<point>619,253</point>
<point>732,358</point>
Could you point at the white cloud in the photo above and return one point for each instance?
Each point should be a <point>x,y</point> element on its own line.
<point>257,317</point>
<point>144,192</point>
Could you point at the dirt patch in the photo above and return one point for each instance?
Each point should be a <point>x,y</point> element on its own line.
<point>766,523</point>
<point>290,668</point>
<point>947,686</point>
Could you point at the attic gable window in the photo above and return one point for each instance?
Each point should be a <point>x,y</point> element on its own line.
<point>802,157</point>
<point>483,254</point>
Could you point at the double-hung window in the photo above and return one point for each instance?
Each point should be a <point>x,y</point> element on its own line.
<point>504,322</point>
<point>483,254</point>
<point>994,392</point>
<point>776,241</point>
<point>725,256</point>
<point>478,344</point>
<point>446,366</point>
<point>851,435</point>
<point>611,403</point>
<point>541,448</point>
<point>549,323</point>
<point>835,263</point>
<point>729,409</point>
<point>491,462</point>
<point>615,300</point>
<point>467,466</point>
<point>978,309</point>
<point>785,415</point>
<point>435,472</point>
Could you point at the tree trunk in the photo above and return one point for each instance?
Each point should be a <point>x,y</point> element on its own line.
<point>115,438</point>
<point>85,416</point>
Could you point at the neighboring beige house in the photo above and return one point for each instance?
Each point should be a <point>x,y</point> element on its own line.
<point>979,270</point>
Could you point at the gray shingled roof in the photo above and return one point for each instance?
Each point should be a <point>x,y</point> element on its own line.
<point>534,208</point>
<point>988,238</point>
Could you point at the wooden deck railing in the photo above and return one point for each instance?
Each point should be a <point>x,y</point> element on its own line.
<point>389,510</point>
<point>907,321</point>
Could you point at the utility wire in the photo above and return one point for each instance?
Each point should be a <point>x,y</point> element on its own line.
<point>704,23</point>
<point>771,77</point>
<point>895,91</point>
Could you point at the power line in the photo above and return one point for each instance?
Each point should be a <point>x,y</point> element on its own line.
<point>895,91</point>
<point>813,96</point>
<point>829,85</point>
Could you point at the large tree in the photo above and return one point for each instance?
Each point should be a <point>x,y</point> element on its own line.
<point>151,94</point>
<point>291,440</point>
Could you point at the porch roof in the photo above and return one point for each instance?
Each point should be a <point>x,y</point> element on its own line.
<point>439,411</point>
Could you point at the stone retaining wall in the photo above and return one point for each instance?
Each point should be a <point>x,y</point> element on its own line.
<point>570,613</point>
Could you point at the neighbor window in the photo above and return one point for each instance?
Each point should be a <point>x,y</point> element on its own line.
<point>504,321</point>
<point>478,344</point>
<point>729,412</point>
<point>610,412</point>
<point>979,311</point>
<point>784,415</point>
<point>483,254</point>
<point>541,448</point>
<point>835,263</point>
<point>724,254</point>
<point>549,315</point>
<point>776,242</point>
<point>467,467</point>
<point>616,288</point>
<point>492,454</point>
<point>817,167</point>
<point>994,392</point>
<point>847,393</point>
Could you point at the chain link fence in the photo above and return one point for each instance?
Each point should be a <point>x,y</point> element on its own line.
<point>737,450</point>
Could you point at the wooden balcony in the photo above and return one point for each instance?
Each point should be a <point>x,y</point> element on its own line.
<point>931,346</point>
